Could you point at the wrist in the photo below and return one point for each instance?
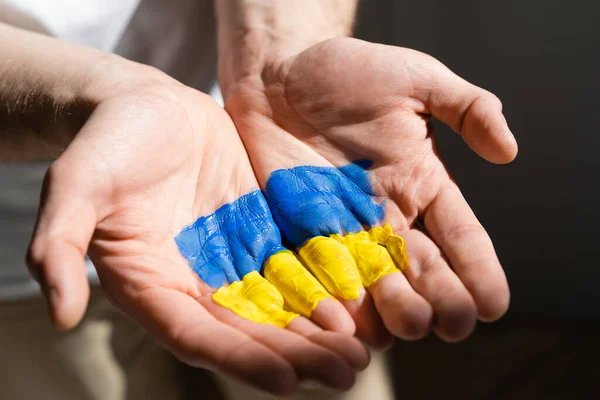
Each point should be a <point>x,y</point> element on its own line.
<point>254,37</point>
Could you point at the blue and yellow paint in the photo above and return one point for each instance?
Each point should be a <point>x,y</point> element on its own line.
<point>321,212</point>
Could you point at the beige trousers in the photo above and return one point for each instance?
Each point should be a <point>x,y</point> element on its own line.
<point>107,357</point>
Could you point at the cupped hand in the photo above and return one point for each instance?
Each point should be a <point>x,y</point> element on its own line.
<point>153,158</point>
<point>308,120</point>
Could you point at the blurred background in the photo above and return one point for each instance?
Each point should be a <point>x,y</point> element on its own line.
<point>541,58</point>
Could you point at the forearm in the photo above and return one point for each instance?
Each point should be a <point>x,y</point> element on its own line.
<point>254,33</point>
<point>46,93</point>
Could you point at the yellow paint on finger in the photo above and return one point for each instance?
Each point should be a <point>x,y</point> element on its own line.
<point>372,259</point>
<point>256,299</point>
<point>394,244</point>
<point>377,252</point>
<point>333,265</point>
<point>301,291</point>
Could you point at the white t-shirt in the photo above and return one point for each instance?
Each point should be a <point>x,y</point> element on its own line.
<point>175,36</point>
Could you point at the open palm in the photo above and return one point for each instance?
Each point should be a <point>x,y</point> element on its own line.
<point>345,100</point>
<point>150,161</point>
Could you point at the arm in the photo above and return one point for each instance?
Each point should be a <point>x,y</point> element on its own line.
<point>49,89</point>
<point>46,93</point>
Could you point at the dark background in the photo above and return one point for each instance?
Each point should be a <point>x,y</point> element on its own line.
<point>541,58</point>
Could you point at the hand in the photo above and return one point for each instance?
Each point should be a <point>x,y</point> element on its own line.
<point>344,100</point>
<point>152,158</point>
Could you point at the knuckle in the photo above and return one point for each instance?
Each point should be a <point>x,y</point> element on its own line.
<point>64,173</point>
<point>35,257</point>
<point>415,327</point>
<point>463,232</point>
<point>494,100</point>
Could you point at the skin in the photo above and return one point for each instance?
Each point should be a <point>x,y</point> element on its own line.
<point>332,101</point>
<point>140,167</point>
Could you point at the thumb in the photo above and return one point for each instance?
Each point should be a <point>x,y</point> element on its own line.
<point>471,111</point>
<point>56,256</point>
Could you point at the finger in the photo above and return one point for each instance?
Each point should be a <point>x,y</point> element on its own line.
<point>256,299</point>
<point>303,326</point>
<point>342,344</point>
<point>405,313</point>
<point>331,315</point>
<point>471,111</point>
<point>333,265</point>
<point>347,347</point>
<point>370,328</point>
<point>56,255</point>
<point>197,338</point>
<point>310,361</point>
<point>304,294</point>
<point>454,309</point>
<point>454,227</point>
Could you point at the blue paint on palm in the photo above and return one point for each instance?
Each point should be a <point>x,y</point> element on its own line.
<point>310,201</point>
<point>231,242</point>
<point>305,202</point>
